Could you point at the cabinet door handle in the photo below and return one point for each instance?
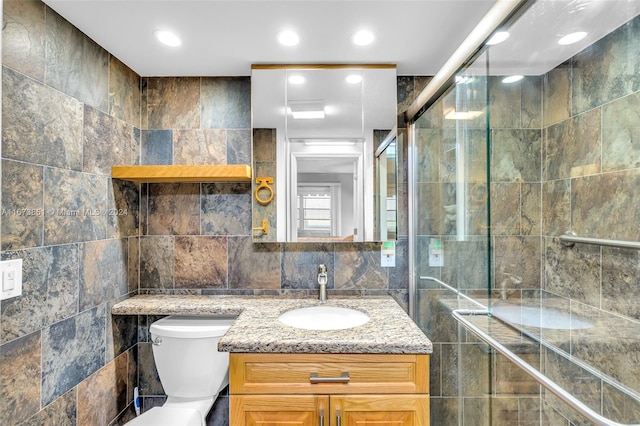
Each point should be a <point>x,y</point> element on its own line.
<point>337,417</point>
<point>321,417</point>
<point>344,378</point>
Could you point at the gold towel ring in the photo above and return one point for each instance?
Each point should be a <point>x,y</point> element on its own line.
<point>263,183</point>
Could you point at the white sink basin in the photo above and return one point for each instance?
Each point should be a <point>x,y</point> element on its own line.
<point>540,317</point>
<point>324,318</point>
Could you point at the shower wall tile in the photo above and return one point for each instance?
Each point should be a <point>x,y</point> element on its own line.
<point>226,103</point>
<point>476,411</point>
<point>573,146</point>
<point>530,208</point>
<point>557,95</point>
<point>40,125</point>
<point>23,37</point>
<point>107,141</point>
<point>253,266</point>
<point>601,206</point>
<point>607,69</point>
<point>49,290</point>
<point>516,155</point>
<point>621,281</point>
<point>531,114</point>
<point>614,357</point>
<point>226,208</point>
<point>574,272</point>
<point>444,410</point>
<point>200,262</point>
<point>505,104</point>
<point>357,266</point>
<point>124,92</point>
<point>465,262</point>
<point>474,363</point>
<point>512,380</point>
<point>556,207</point>
<point>505,217</point>
<point>435,217</point>
<point>174,209</point>
<point>450,356</point>
<point>156,262</point>
<point>72,350</point>
<point>300,265</point>
<point>238,146</point>
<point>75,64</point>
<point>621,134</point>
<point>61,412</point>
<point>432,146</point>
<point>122,213</point>
<point>504,411</point>
<point>103,395</point>
<point>20,378</point>
<point>572,378</point>
<point>103,272</point>
<point>70,200</point>
<point>22,198</point>
<point>510,255</point>
<point>619,406</point>
<point>172,103</point>
<point>200,147</point>
<point>156,147</point>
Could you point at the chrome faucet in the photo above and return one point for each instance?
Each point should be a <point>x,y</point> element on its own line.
<point>322,282</point>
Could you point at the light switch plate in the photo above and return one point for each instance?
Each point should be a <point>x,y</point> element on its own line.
<point>11,277</point>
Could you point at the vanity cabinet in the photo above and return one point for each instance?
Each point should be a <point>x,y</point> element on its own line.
<point>329,389</point>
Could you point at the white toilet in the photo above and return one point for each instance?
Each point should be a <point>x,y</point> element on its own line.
<point>191,369</point>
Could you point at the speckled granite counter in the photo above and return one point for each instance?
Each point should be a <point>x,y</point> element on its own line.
<point>257,329</point>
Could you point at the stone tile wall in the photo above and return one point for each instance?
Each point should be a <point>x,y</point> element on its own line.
<point>70,111</point>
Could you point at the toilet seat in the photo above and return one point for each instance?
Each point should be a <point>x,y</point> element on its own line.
<point>168,416</point>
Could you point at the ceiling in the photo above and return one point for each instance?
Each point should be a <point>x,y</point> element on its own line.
<point>224,37</point>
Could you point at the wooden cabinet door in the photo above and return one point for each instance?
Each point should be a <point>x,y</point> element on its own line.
<point>380,410</point>
<point>267,410</point>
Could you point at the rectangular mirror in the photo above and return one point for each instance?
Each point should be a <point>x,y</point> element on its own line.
<point>316,130</point>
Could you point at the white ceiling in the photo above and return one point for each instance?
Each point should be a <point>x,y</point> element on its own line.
<point>224,37</point>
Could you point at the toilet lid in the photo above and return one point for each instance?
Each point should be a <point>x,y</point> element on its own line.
<point>168,416</point>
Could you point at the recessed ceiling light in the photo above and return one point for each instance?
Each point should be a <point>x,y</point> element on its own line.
<point>498,38</point>
<point>363,37</point>
<point>167,38</point>
<point>572,38</point>
<point>354,78</point>
<point>296,79</point>
<point>512,79</point>
<point>288,38</point>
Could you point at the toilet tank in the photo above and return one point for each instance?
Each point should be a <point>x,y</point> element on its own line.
<point>186,354</point>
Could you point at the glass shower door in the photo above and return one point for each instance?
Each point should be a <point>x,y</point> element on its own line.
<point>452,231</point>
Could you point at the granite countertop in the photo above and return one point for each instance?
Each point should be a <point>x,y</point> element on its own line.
<point>257,329</point>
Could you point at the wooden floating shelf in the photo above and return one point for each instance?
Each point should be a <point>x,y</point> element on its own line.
<point>226,173</point>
